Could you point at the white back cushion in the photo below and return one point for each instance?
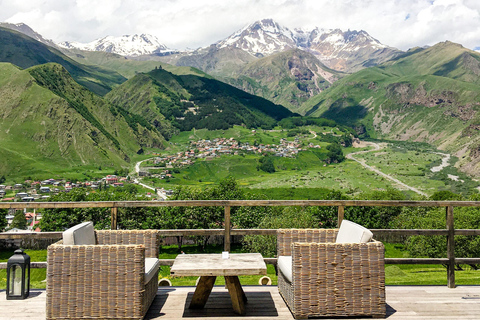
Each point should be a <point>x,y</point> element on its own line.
<point>350,232</point>
<point>81,234</point>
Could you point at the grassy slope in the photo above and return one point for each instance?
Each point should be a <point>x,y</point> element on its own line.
<point>25,52</point>
<point>44,134</point>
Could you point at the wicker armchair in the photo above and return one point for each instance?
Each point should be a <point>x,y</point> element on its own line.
<point>111,279</point>
<point>329,279</point>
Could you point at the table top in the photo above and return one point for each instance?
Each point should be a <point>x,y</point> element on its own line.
<point>214,265</point>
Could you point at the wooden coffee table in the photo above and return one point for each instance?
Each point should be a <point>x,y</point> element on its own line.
<point>209,266</point>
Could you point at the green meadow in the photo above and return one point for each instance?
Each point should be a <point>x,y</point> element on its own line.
<point>410,163</point>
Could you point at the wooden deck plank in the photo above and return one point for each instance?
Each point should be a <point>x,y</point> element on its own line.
<point>264,302</point>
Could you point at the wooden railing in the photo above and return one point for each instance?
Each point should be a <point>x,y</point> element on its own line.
<point>450,232</point>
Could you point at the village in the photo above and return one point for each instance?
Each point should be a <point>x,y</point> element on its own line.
<point>210,149</point>
<point>41,190</point>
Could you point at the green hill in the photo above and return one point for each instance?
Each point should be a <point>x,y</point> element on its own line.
<point>190,101</point>
<point>49,123</point>
<point>26,52</point>
<point>429,95</point>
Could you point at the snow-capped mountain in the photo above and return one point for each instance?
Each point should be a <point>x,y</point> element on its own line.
<point>261,38</point>
<point>341,50</point>
<point>128,45</point>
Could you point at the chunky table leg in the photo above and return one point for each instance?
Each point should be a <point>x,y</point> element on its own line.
<point>202,292</point>
<point>236,294</point>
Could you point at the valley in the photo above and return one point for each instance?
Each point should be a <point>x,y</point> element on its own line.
<point>403,166</point>
<point>292,101</point>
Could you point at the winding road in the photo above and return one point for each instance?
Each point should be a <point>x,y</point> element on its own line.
<point>377,147</point>
<point>162,195</point>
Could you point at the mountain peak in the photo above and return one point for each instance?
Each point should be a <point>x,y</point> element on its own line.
<point>126,45</point>
<point>261,38</point>
<point>334,47</point>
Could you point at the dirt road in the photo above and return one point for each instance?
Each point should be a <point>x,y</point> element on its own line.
<point>377,147</point>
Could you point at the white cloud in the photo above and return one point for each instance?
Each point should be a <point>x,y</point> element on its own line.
<point>194,23</point>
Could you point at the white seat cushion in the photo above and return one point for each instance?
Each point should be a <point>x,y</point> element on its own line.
<point>151,267</point>
<point>284,264</point>
<point>81,234</point>
<point>350,232</point>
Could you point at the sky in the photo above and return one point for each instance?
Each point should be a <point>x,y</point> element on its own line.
<point>181,24</point>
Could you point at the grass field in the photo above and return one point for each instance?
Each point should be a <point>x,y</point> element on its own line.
<point>394,274</point>
<point>408,162</point>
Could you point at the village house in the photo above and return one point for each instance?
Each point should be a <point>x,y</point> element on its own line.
<point>111,179</point>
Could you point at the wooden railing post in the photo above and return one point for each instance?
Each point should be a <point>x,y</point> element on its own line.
<point>341,214</point>
<point>113,223</point>
<point>227,229</point>
<point>450,248</point>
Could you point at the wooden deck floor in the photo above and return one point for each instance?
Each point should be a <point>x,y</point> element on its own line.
<point>403,303</point>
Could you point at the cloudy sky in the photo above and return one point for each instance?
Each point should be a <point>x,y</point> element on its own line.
<point>195,23</point>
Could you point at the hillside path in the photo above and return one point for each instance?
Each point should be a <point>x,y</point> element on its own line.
<point>377,147</point>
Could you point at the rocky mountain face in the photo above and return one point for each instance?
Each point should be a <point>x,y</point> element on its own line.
<point>288,78</point>
<point>346,50</point>
<point>127,45</point>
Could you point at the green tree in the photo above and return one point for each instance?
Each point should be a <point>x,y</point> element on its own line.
<point>435,218</point>
<point>3,219</point>
<point>127,218</point>
<point>335,153</point>
<point>266,164</point>
<point>19,221</point>
<point>376,217</point>
<point>346,140</point>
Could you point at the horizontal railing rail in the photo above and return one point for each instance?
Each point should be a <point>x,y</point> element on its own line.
<point>450,232</point>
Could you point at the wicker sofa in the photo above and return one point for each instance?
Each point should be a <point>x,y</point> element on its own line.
<point>321,278</point>
<point>113,275</point>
